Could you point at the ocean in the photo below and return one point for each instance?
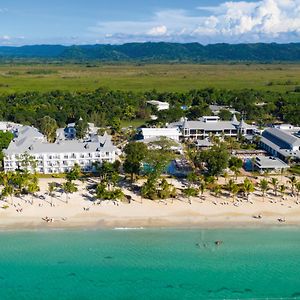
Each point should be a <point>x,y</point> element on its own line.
<point>150,264</point>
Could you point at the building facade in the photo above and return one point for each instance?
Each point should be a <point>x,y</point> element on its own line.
<point>281,143</point>
<point>209,126</point>
<point>171,133</point>
<point>30,150</point>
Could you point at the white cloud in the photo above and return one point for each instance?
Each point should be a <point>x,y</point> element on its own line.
<point>158,30</point>
<point>260,21</point>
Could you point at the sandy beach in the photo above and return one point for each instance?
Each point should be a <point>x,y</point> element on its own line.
<point>207,211</point>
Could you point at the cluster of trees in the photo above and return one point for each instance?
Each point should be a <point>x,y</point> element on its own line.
<point>154,159</point>
<point>108,108</point>
<point>18,183</point>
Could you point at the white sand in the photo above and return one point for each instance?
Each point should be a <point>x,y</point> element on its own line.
<point>201,213</point>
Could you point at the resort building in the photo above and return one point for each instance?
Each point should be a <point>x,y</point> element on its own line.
<point>58,157</point>
<point>9,126</point>
<point>282,143</point>
<point>159,105</point>
<point>171,133</point>
<point>269,164</point>
<point>216,109</point>
<point>209,126</point>
<point>69,132</point>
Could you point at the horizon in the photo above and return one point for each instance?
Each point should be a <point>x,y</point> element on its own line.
<point>141,43</point>
<point>195,21</point>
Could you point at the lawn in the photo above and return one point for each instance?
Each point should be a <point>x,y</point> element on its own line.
<point>163,77</point>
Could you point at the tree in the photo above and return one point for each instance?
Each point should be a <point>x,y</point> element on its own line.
<point>217,189</point>
<point>236,171</point>
<point>192,178</point>
<point>233,188</point>
<point>69,188</point>
<point>33,187</point>
<point>275,182</point>
<point>74,173</point>
<point>48,127</point>
<point>225,175</point>
<point>234,191</point>
<point>190,192</point>
<point>8,191</point>
<point>202,187</point>
<point>293,181</point>
<point>282,189</point>
<point>264,186</point>
<point>115,125</point>
<point>225,115</point>
<point>197,111</point>
<point>81,127</point>
<point>248,187</point>
<point>297,186</point>
<point>235,162</point>
<point>216,160</point>
<point>51,189</point>
<point>135,153</point>
<point>27,163</point>
<point>5,139</point>
<point>159,156</point>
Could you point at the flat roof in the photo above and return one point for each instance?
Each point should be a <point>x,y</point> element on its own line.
<point>270,162</point>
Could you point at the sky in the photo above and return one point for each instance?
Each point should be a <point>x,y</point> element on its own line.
<point>27,22</point>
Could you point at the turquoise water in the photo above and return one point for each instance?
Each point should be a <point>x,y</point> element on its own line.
<point>150,264</point>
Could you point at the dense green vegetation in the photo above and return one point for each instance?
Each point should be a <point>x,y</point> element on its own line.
<point>108,108</point>
<point>156,52</point>
<point>16,77</point>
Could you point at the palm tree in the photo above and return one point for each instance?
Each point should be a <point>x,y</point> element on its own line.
<point>274,182</point>
<point>282,189</point>
<point>33,187</point>
<point>8,191</point>
<point>202,187</point>
<point>234,191</point>
<point>297,186</point>
<point>225,175</point>
<point>248,187</point>
<point>217,190</point>
<point>236,171</point>
<point>69,187</point>
<point>192,178</point>
<point>51,189</point>
<point>264,186</point>
<point>190,192</point>
<point>293,181</point>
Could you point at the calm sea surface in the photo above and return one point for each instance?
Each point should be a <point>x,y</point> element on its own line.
<point>150,264</point>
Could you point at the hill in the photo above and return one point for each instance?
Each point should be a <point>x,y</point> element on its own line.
<point>159,52</point>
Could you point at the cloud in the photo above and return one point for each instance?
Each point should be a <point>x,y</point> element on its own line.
<point>158,31</point>
<point>260,21</point>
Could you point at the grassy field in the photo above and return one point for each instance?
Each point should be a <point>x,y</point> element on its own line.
<point>176,77</point>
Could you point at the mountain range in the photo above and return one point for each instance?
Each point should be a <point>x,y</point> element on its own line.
<point>158,52</point>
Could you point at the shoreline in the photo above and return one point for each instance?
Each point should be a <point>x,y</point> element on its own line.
<point>207,212</point>
<point>145,224</point>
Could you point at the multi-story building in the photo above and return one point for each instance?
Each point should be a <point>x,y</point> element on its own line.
<point>171,133</point>
<point>282,142</point>
<point>59,157</point>
<point>209,126</point>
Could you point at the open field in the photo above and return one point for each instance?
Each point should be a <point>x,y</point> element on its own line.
<point>176,77</point>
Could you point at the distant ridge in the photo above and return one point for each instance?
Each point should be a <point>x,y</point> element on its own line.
<point>158,52</point>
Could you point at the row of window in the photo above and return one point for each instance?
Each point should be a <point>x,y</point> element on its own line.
<point>66,156</point>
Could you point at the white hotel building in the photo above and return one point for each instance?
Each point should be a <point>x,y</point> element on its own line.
<point>58,157</point>
<point>209,126</point>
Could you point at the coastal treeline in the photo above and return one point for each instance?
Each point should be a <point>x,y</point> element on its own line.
<point>106,107</point>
